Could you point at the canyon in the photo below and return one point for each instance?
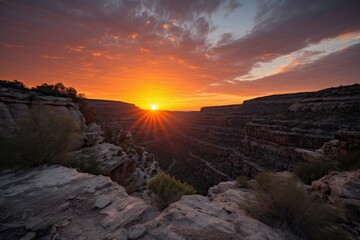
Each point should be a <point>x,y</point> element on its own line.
<point>207,149</point>
<point>219,143</point>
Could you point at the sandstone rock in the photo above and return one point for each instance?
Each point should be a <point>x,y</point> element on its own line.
<point>136,231</point>
<point>342,190</point>
<point>337,186</point>
<point>29,236</point>
<point>93,135</point>
<point>40,191</point>
<point>102,202</point>
<point>16,105</point>
<point>195,217</point>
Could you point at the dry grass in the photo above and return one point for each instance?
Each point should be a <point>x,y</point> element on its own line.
<point>308,172</point>
<point>283,203</point>
<point>40,138</point>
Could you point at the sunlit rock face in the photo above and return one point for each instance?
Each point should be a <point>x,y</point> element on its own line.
<point>126,163</point>
<point>16,105</point>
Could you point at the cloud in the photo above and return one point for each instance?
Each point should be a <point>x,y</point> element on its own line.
<point>339,68</point>
<point>283,27</point>
<point>130,43</point>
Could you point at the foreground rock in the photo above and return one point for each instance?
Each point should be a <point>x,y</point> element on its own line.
<point>59,203</point>
<point>342,189</point>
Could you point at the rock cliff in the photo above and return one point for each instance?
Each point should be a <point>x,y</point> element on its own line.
<point>274,132</point>
<point>128,164</point>
<point>16,105</point>
<point>303,131</point>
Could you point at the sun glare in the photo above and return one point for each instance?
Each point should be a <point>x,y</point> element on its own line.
<point>153,107</point>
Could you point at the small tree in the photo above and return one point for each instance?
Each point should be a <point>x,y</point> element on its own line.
<point>165,189</point>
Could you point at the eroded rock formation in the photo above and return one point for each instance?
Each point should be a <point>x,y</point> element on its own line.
<point>16,105</point>
<point>128,164</point>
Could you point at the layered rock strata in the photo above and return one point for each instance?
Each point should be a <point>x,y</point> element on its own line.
<point>16,106</point>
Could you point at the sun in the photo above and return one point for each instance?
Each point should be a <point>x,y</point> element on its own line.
<point>153,107</point>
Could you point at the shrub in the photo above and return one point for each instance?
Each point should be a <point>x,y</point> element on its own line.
<point>42,137</point>
<point>283,203</point>
<point>57,90</point>
<point>166,189</point>
<point>86,165</point>
<point>242,181</point>
<point>349,161</point>
<point>308,172</point>
<point>13,84</point>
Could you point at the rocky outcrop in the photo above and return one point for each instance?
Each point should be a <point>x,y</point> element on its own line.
<point>59,203</point>
<point>342,189</point>
<point>126,163</point>
<point>16,105</point>
<point>345,142</point>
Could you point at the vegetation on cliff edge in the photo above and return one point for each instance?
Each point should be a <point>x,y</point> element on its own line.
<point>165,190</point>
<point>282,202</point>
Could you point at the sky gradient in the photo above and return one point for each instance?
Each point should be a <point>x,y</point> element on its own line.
<point>183,54</point>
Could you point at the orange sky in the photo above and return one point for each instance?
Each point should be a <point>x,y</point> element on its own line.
<point>180,56</point>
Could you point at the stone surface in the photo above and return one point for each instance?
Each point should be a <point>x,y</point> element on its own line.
<point>136,231</point>
<point>196,217</point>
<point>15,106</point>
<point>337,186</point>
<point>55,202</point>
<point>29,236</point>
<point>342,190</point>
<point>102,202</point>
<point>35,200</point>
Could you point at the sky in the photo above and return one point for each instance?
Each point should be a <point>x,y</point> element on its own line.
<point>181,54</point>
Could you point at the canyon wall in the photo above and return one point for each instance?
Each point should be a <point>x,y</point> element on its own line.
<point>273,132</point>
<point>125,162</point>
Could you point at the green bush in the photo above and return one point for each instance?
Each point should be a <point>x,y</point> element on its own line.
<point>349,161</point>
<point>242,181</point>
<point>85,165</point>
<point>42,137</point>
<point>310,171</point>
<point>283,203</point>
<point>57,90</point>
<point>165,189</point>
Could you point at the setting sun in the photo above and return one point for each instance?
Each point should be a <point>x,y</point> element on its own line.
<point>153,107</point>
